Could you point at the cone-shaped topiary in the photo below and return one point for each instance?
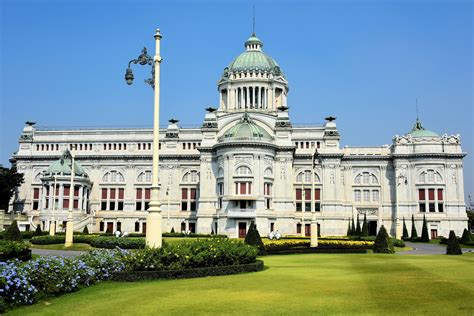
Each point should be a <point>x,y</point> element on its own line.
<point>358,231</point>
<point>85,230</point>
<point>382,243</point>
<point>253,239</point>
<point>349,229</point>
<point>405,230</point>
<point>466,236</point>
<point>365,227</point>
<point>172,230</point>
<point>13,233</point>
<point>453,247</point>
<point>353,228</point>
<point>414,234</point>
<point>38,231</point>
<point>424,231</point>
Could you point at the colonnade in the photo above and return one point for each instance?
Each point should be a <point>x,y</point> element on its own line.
<point>61,194</point>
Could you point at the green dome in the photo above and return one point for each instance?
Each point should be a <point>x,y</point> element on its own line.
<point>253,59</point>
<point>246,130</point>
<point>419,131</point>
<point>63,166</point>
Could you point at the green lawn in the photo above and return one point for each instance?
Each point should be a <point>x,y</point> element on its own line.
<point>292,284</point>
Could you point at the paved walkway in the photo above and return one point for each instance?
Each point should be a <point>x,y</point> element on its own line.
<point>61,253</point>
<point>420,248</point>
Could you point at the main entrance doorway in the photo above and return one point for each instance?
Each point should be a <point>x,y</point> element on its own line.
<point>242,229</point>
<point>372,228</point>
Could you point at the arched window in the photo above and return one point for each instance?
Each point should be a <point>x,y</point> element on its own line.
<point>243,171</point>
<point>366,178</point>
<point>430,176</point>
<point>191,177</point>
<point>113,177</point>
<point>305,177</point>
<point>144,176</point>
<point>268,173</point>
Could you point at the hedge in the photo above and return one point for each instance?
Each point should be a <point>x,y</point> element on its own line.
<point>285,244</point>
<point>14,249</point>
<point>130,276</point>
<point>315,250</point>
<point>94,241</point>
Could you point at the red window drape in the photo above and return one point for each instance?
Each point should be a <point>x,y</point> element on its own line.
<point>112,194</point>
<point>243,188</point>
<point>35,193</point>
<point>193,194</point>
<point>139,194</point>
<point>66,191</point>
<point>307,194</point>
<point>104,194</point>
<point>147,193</point>
<point>76,191</point>
<point>431,194</point>
<point>65,203</point>
<point>120,195</point>
<point>421,194</point>
<point>298,194</point>
<point>184,194</point>
<point>317,194</point>
<point>440,194</point>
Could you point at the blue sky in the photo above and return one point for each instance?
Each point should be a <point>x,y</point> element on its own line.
<point>365,62</point>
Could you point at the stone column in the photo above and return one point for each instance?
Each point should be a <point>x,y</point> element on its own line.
<point>247,97</point>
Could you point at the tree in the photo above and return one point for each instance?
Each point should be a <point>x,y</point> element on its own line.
<point>466,237</point>
<point>358,231</point>
<point>405,230</point>
<point>86,230</point>
<point>13,233</point>
<point>10,180</point>
<point>382,243</point>
<point>424,231</point>
<point>414,234</point>
<point>253,238</point>
<point>349,232</point>
<point>353,228</point>
<point>172,230</point>
<point>38,231</point>
<point>453,247</point>
<point>365,227</point>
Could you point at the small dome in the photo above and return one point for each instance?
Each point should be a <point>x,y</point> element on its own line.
<point>246,130</point>
<point>253,59</point>
<point>63,166</point>
<point>419,131</point>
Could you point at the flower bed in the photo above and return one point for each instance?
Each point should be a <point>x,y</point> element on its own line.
<point>14,249</point>
<point>272,246</point>
<point>25,283</point>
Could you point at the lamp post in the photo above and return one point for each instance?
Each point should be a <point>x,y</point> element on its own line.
<point>70,223</point>
<point>52,225</point>
<point>314,225</point>
<point>153,219</point>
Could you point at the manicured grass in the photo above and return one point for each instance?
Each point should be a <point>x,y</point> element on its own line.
<point>292,284</point>
<point>75,246</point>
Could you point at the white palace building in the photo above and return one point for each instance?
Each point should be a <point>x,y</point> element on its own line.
<point>247,162</point>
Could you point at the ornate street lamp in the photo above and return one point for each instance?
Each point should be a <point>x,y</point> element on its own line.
<point>153,219</point>
<point>314,224</point>
<point>70,223</point>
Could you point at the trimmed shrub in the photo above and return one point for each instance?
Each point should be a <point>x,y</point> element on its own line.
<point>349,232</point>
<point>108,242</point>
<point>405,231</point>
<point>14,249</point>
<point>272,246</point>
<point>358,231</point>
<point>253,238</point>
<point>397,242</point>
<point>38,231</point>
<point>131,276</point>
<point>424,232</point>
<point>13,233</point>
<point>172,230</point>
<point>191,254</point>
<point>453,247</point>
<point>466,237</point>
<point>414,234</point>
<point>382,243</point>
<point>353,229</point>
<point>85,231</point>
<point>365,227</point>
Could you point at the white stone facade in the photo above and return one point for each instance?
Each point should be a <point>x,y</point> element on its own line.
<point>211,182</point>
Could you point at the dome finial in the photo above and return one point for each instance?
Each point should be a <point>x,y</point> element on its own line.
<point>253,26</point>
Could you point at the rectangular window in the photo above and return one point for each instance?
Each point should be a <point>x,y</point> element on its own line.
<point>147,194</point>
<point>243,188</point>
<point>36,194</point>
<point>317,194</point>
<point>375,195</point>
<point>317,207</point>
<point>298,228</point>
<point>298,194</point>
<point>307,194</point>
<point>307,206</point>
<point>421,194</point>
<point>137,226</point>
<point>431,194</point>
<point>357,195</point>
<point>440,207</point>
<point>423,207</point>
<point>366,195</point>
<point>65,203</point>
<point>432,207</point>
<point>184,194</point>
<point>440,194</point>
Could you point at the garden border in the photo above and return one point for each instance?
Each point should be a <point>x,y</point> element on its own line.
<point>316,250</point>
<point>131,276</point>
